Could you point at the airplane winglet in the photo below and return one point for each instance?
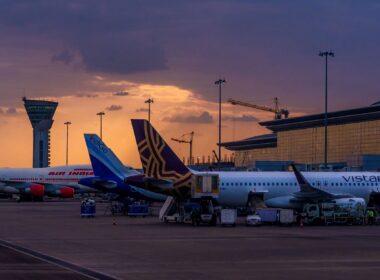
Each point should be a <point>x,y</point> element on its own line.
<point>307,191</point>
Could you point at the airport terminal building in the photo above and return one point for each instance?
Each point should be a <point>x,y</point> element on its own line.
<point>353,142</point>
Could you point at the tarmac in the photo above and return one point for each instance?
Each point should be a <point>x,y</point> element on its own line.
<point>49,240</point>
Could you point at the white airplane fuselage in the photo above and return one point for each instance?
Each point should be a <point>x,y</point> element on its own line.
<point>278,187</point>
<point>60,176</point>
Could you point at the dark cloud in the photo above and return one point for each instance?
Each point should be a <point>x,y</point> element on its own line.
<point>112,39</point>
<point>121,93</point>
<point>243,118</point>
<point>124,55</point>
<point>263,48</point>
<point>142,110</point>
<point>87,95</point>
<point>114,108</point>
<point>65,56</point>
<point>205,117</point>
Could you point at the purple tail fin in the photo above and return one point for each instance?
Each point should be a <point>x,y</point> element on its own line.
<point>158,159</point>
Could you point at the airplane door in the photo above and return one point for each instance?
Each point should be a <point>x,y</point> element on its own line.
<point>207,184</point>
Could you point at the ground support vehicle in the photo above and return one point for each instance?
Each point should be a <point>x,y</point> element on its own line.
<point>228,217</point>
<point>199,209</point>
<point>333,213</point>
<point>253,220</point>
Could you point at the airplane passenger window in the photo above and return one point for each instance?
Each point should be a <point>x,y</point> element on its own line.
<point>227,184</point>
<point>245,184</point>
<point>259,184</point>
<point>241,184</point>
<point>250,183</point>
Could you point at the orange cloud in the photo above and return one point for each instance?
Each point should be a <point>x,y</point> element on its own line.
<point>170,102</point>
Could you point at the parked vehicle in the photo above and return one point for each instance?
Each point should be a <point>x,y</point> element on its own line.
<point>350,212</point>
<point>253,220</point>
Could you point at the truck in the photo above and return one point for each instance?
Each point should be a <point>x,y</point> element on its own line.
<point>348,211</point>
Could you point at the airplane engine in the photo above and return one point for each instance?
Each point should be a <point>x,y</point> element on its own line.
<point>66,192</point>
<point>37,190</point>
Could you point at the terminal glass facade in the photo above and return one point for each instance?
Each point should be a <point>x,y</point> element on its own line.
<point>347,143</point>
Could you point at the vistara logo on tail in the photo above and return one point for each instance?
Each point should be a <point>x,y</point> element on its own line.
<point>158,159</point>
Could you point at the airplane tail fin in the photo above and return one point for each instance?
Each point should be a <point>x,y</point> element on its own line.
<point>158,159</point>
<point>104,162</point>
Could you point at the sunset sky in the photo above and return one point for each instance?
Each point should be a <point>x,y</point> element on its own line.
<point>110,56</point>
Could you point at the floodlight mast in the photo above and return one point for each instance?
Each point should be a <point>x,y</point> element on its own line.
<point>219,83</point>
<point>67,141</point>
<point>326,54</point>
<point>101,114</point>
<point>149,101</point>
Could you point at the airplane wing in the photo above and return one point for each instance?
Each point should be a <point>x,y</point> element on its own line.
<point>308,192</point>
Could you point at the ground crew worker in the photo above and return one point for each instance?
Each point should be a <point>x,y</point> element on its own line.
<point>370,216</point>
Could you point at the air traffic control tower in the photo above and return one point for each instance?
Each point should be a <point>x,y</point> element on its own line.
<point>41,114</point>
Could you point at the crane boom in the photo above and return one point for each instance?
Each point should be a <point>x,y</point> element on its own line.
<point>246,104</point>
<point>278,113</point>
<point>190,142</point>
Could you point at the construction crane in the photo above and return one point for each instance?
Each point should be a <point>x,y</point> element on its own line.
<point>190,142</point>
<point>278,112</point>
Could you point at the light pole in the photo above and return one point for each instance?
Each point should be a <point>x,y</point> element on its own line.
<point>101,114</point>
<point>149,101</point>
<point>67,142</point>
<point>326,54</point>
<point>220,82</point>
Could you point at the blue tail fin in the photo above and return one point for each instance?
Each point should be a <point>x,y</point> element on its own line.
<point>158,159</point>
<point>104,162</point>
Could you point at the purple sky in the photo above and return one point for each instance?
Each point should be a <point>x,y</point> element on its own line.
<point>263,48</point>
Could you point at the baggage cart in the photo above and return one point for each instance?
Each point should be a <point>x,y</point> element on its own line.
<point>228,217</point>
<point>138,210</point>
<point>88,208</point>
<point>286,216</point>
<point>268,215</point>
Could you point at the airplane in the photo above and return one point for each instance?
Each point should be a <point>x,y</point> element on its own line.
<point>35,183</point>
<point>110,173</point>
<point>276,189</point>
